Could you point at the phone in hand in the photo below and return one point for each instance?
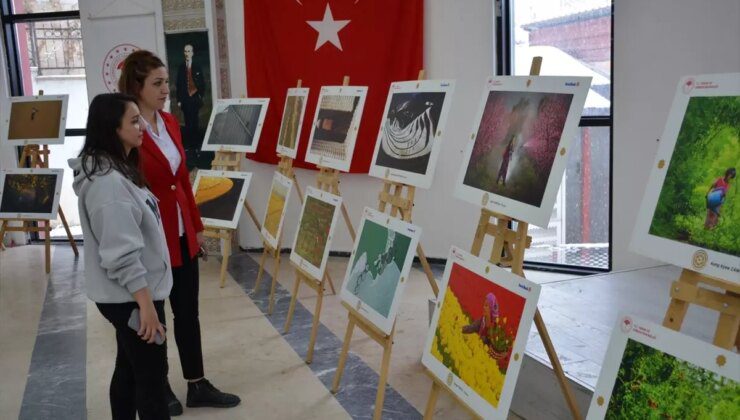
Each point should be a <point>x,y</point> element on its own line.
<point>134,322</point>
<point>202,253</point>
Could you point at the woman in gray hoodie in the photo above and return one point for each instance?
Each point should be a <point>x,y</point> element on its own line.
<point>127,264</point>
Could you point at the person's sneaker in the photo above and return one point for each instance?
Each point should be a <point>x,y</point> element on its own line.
<point>173,404</point>
<point>203,394</point>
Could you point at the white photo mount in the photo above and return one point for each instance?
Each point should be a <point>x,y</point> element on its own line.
<point>515,284</point>
<point>292,93</point>
<point>12,105</point>
<point>281,181</point>
<point>328,198</point>
<point>384,323</point>
<point>720,361</point>
<point>536,215</point>
<point>57,173</point>
<point>237,211</point>
<point>324,158</point>
<point>411,138</point>
<point>223,105</point>
<point>702,260</point>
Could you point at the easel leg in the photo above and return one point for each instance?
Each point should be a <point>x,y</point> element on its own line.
<point>2,234</point>
<point>293,300</point>
<point>226,251</point>
<point>69,232</point>
<point>675,314</point>
<point>431,402</point>
<point>261,270</point>
<point>47,245</point>
<point>315,326</point>
<point>726,335</point>
<point>559,373</point>
<point>345,214</point>
<point>331,283</point>
<point>275,273</point>
<point>427,269</point>
<point>252,215</point>
<point>297,188</point>
<point>384,367</point>
<point>343,355</point>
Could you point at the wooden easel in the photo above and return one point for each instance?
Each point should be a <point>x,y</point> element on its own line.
<point>400,207</point>
<point>38,157</point>
<point>690,288</point>
<point>228,161</point>
<point>285,168</point>
<point>508,251</point>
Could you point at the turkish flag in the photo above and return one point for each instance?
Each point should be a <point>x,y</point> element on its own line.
<point>374,42</point>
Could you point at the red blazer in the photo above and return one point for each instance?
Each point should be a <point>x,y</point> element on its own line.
<point>171,190</point>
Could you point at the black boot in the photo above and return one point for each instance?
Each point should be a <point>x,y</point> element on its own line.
<point>173,404</point>
<point>203,394</point>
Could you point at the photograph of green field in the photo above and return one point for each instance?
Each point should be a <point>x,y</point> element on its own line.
<point>652,384</point>
<point>699,203</point>
<point>313,230</point>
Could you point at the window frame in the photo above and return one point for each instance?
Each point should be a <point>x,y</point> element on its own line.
<point>503,40</point>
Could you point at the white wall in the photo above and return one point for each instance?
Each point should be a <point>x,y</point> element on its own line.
<point>656,42</point>
<point>460,28</point>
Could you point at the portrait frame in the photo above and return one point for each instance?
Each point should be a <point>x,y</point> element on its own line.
<point>577,88</point>
<point>6,190</point>
<point>384,322</point>
<point>503,280</point>
<point>234,200</point>
<point>701,259</point>
<point>210,143</point>
<point>336,154</point>
<point>391,168</point>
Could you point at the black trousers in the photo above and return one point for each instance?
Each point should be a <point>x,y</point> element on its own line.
<point>138,383</point>
<point>190,107</point>
<point>184,304</point>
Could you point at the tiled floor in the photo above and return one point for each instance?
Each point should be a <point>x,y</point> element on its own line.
<point>57,352</point>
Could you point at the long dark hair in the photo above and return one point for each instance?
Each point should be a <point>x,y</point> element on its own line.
<point>103,149</point>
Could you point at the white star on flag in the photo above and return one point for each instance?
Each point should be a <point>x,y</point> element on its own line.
<point>328,29</point>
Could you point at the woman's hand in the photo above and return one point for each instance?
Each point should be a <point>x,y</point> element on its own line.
<point>200,238</point>
<point>148,320</point>
<point>150,324</point>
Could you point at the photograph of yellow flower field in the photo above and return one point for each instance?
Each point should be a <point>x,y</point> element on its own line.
<point>475,333</point>
<point>275,207</point>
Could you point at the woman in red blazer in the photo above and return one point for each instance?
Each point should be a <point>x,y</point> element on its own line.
<point>145,77</point>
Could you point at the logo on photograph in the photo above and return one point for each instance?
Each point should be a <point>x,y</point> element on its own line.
<point>449,379</point>
<point>527,288</point>
<point>113,64</point>
<point>688,85</point>
<point>572,83</point>
<point>444,84</point>
<point>627,324</point>
<point>699,260</point>
<point>457,254</point>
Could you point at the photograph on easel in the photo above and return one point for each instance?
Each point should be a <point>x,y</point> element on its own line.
<point>379,268</point>
<point>276,205</point>
<point>517,154</point>
<point>410,133</point>
<point>220,196</point>
<point>290,128</point>
<point>310,249</point>
<point>478,333</point>
<point>30,193</point>
<point>336,122</point>
<point>690,214</point>
<point>654,372</point>
<point>235,125</point>
<point>34,119</point>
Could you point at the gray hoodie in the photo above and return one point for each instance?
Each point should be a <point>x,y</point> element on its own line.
<point>125,247</point>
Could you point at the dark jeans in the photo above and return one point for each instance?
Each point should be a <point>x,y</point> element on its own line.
<point>138,382</point>
<point>184,304</point>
